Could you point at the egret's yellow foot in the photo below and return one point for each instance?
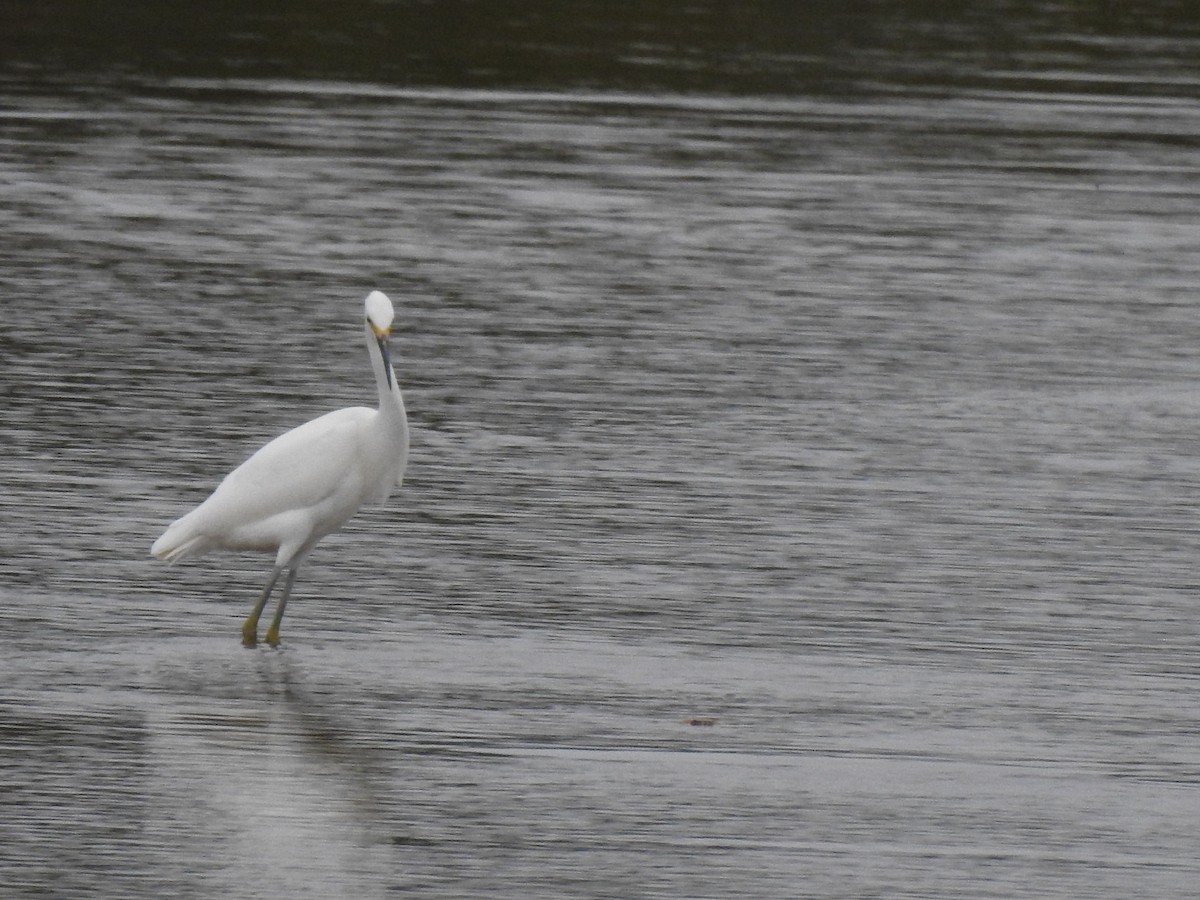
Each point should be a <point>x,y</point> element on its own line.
<point>272,636</point>
<point>250,633</point>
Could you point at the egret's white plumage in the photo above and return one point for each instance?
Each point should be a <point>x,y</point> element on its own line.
<point>305,483</point>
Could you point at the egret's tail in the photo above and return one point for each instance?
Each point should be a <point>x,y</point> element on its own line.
<point>178,541</point>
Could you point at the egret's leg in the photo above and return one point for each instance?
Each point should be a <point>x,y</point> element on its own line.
<point>250,626</point>
<point>272,636</point>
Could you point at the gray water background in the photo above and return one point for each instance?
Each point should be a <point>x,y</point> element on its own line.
<point>803,485</point>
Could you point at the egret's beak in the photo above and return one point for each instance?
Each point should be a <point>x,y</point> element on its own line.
<point>382,335</point>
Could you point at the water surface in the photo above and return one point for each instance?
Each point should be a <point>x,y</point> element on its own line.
<point>800,503</point>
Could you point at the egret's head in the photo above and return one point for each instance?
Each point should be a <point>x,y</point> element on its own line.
<point>379,314</point>
<point>379,320</point>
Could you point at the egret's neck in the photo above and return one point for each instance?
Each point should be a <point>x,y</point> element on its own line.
<point>391,404</point>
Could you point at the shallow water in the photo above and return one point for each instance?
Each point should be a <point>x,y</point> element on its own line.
<point>800,503</point>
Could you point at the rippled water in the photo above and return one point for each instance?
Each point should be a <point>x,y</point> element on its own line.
<point>801,500</point>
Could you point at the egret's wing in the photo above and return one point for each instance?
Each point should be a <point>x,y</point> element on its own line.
<point>305,482</point>
<point>301,468</point>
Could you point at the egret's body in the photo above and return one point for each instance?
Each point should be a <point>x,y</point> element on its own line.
<point>304,484</point>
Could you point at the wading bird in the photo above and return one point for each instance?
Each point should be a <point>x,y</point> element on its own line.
<point>304,484</point>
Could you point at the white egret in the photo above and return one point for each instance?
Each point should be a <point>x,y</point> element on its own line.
<point>304,484</point>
